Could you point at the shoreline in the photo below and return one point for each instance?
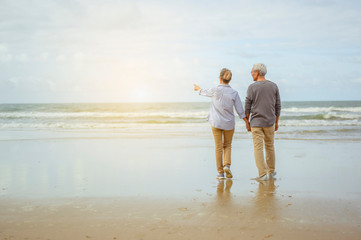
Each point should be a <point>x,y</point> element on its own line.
<point>141,133</point>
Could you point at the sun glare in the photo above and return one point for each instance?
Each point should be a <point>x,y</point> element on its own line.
<point>140,95</point>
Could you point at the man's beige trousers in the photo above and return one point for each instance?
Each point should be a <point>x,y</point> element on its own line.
<point>264,135</point>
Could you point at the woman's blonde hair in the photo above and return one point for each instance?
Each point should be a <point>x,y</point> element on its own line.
<point>225,75</point>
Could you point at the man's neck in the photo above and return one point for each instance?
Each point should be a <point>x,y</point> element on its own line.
<point>261,78</point>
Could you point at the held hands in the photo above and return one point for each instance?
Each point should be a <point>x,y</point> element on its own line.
<point>196,87</point>
<point>248,126</point>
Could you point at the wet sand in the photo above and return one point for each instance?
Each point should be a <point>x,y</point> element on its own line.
<point>263,216</point>
<point>164,187</point>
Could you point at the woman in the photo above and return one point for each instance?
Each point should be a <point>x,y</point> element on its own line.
<point>221,118</point>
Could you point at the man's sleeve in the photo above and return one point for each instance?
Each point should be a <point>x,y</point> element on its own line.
<point>278,103</point>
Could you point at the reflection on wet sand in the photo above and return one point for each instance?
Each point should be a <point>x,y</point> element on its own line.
<point>262,207</point>
<point>222,207</point>
<point>265,201</point>
<point>224,191</point>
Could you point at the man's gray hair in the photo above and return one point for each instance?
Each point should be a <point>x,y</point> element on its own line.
<point>261,68</point>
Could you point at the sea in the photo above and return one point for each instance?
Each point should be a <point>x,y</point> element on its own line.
<point>334,120</point>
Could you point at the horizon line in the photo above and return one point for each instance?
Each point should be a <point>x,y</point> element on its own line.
<point>120,102</point>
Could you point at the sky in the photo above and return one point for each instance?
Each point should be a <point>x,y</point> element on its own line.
<point>54,51</point>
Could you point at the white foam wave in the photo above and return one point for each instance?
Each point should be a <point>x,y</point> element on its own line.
<point>321,109</point>
<point>319,123</point>
<point>62,125</point>
<point>189,114</point>
<point>342,116</point>
<point>107,125</point>
<point>320,116</point>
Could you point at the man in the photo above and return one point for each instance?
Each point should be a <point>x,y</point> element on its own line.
<point>264,104</point>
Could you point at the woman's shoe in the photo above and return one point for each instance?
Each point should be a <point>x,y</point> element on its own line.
<point>228,172</point>
<point>265,177</point>
<point>220,176</point>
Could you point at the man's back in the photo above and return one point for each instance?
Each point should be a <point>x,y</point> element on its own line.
<point>263,102</point>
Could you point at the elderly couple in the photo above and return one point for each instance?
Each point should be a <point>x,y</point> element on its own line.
<point>263,104</point>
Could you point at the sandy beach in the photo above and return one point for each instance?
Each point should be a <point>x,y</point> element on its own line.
<point>98,185</point>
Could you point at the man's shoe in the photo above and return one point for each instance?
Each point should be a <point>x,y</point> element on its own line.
<point>220,176</point>
<point>228,172</point>
<point>265,177</point>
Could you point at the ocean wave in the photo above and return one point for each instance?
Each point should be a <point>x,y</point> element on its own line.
<point>166,124</point>
<point>93,116</point>
<point>325,116</point>
<point>321,109</point>
<point>156,115</point>
<point>313,122</point>
<point>90,125</point>
<point>185,115</point>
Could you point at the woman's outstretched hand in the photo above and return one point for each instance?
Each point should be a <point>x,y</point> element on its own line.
<point>196,87</point>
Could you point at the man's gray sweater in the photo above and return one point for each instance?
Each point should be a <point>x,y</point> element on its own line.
<point>263,103</point>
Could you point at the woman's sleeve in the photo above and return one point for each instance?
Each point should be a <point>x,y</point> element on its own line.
<point>207,92</point>
<point>239,108</point>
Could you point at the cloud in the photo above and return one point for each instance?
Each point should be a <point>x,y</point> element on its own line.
<point>22,57</point>
<point>106,48</point>
<point>5,56</point>
<point>42,57</point>
<point>61,58</point>
<point>356,80</point>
